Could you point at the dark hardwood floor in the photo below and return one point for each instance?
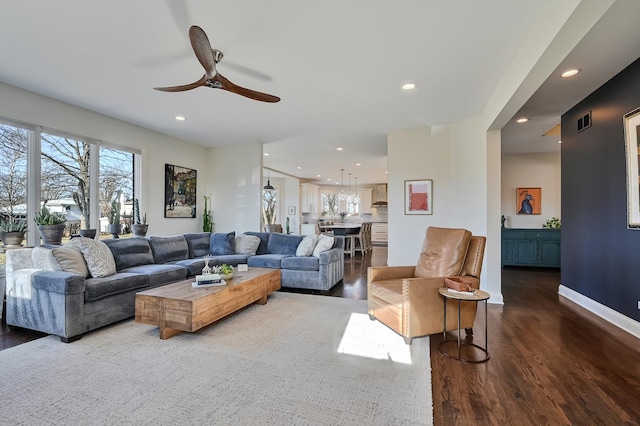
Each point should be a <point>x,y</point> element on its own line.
<point>552,362</point>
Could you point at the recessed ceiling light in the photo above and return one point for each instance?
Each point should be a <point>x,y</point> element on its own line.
<point>266,154</point>
<point>299,167</point>
<point>358,164</point>
<point>570,73</point>
<point>328,179</point>
<point>559,141</point>
<point>339,148</point>
<point>522,120</point>
<point>180,118</point>
<point>318,175</point>
<point>408,86</point>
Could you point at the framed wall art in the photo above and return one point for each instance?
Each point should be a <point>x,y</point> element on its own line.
<point>179,191</point>
<point>292,210</point>
<point>529,200</point>
<point>418,196</point>
<point>632,138</point>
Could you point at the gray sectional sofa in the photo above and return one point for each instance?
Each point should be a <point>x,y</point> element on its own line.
<point>50,289</point>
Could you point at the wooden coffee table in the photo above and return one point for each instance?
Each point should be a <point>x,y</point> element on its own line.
<point>180,307</point>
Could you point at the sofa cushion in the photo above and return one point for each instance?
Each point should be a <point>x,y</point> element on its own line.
<point>71,260</point>
<point>198,244</point>
<point>306,246</point>
<point>160,274</point>
<point>283,244</point>
<point>272,261</point>
<point>324,243</point>
<point>99,258</point>
<point>443,252</point>
<point>230,259</point>
<point>128,252</point>
<point>98,288</point>
<point>264,239</point>
<point>222,243</point>
<point>301,263</point>
<point>246,244</point>
<point>169,249</point>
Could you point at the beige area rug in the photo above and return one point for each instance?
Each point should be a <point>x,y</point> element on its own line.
<point>298,360</point>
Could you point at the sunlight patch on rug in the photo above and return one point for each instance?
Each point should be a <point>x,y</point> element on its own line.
<point>372,339</point>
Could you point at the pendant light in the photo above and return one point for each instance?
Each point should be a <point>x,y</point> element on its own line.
<point>268,186</point>
<point>356,197</point>
<point>342,196</point>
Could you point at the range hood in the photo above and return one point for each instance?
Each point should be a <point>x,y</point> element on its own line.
<point>381,198</point>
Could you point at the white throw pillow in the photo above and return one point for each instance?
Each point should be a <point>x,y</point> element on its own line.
<point>306,246</point>
<point>246,244</point>
<point>43,259</point>
<point>99,258</point>
<point>324,243</point>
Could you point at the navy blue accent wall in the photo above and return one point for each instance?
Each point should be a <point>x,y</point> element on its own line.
<point>600,256</point>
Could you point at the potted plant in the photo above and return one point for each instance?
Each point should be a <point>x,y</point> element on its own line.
<point>50,226</point>
<point>115,227</point>
<point>12,231</point>
<point>139,227</point>
<point>207,219</point>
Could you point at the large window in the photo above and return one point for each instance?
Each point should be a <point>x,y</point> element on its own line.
<point>78,178</point>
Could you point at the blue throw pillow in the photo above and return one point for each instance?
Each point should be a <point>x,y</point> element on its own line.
<point>221,243</point>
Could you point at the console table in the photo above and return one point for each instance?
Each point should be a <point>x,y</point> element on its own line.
<point>531,247</point>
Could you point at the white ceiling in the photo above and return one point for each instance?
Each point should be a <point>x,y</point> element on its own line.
<point>338,67</point>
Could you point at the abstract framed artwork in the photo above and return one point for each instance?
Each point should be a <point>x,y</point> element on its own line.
<point>418,196</point>
<point>179,191</point>
<point>529,200</point>
<point>632,138</point>
<point>292,210</point>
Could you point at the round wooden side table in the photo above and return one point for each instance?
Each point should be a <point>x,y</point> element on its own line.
<point>477,296</point>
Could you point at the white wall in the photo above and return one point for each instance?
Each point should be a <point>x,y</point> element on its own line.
<point>235,186</point>
<point>541,170</point>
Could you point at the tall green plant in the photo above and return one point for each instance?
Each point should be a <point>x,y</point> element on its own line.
<point>207,218</point>
<point>114,214</point>
<point>136,212</point>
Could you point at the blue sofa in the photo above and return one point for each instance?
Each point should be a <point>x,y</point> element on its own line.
<point>47,298</point>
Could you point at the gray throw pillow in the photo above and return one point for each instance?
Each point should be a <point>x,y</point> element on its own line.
<point>306,246</point>
<point>247,244</point>
<point>222,243</point>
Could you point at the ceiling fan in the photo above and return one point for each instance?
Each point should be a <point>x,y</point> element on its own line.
<point>208,58</point>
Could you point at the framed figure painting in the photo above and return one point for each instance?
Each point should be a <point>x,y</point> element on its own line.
<point>418,196</point>
<point>179,191</point>
<point>529,200</point>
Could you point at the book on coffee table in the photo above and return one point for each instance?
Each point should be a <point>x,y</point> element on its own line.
<point>198,284</point>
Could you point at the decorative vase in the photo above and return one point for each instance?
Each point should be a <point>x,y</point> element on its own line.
<point>52,234</point>
<point>115,230</point>
<point>139,229</point>
<point>12,239</point>
<point>88,233</point>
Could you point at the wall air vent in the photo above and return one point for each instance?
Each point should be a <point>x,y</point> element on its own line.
<point>584,122</point>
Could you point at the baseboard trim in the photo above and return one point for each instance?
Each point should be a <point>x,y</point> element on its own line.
<point>614,317</point>
<point>495,299</point>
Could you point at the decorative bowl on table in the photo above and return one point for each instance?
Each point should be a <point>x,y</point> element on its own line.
<point>225,271</point>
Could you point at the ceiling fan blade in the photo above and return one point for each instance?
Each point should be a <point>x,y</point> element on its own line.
<point>198,83</point>
<point>202,48</point>
<point>248,93</point>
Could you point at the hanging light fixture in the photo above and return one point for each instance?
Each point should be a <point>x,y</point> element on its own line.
<point>349,193</point>
<point>342,195</point>
<point>356,197</point>
<point>268,186</point>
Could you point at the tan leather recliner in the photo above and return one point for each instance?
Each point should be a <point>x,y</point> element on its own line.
<point>406,298</point>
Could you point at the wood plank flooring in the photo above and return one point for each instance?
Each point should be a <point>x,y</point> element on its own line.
<point>552,362</point>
